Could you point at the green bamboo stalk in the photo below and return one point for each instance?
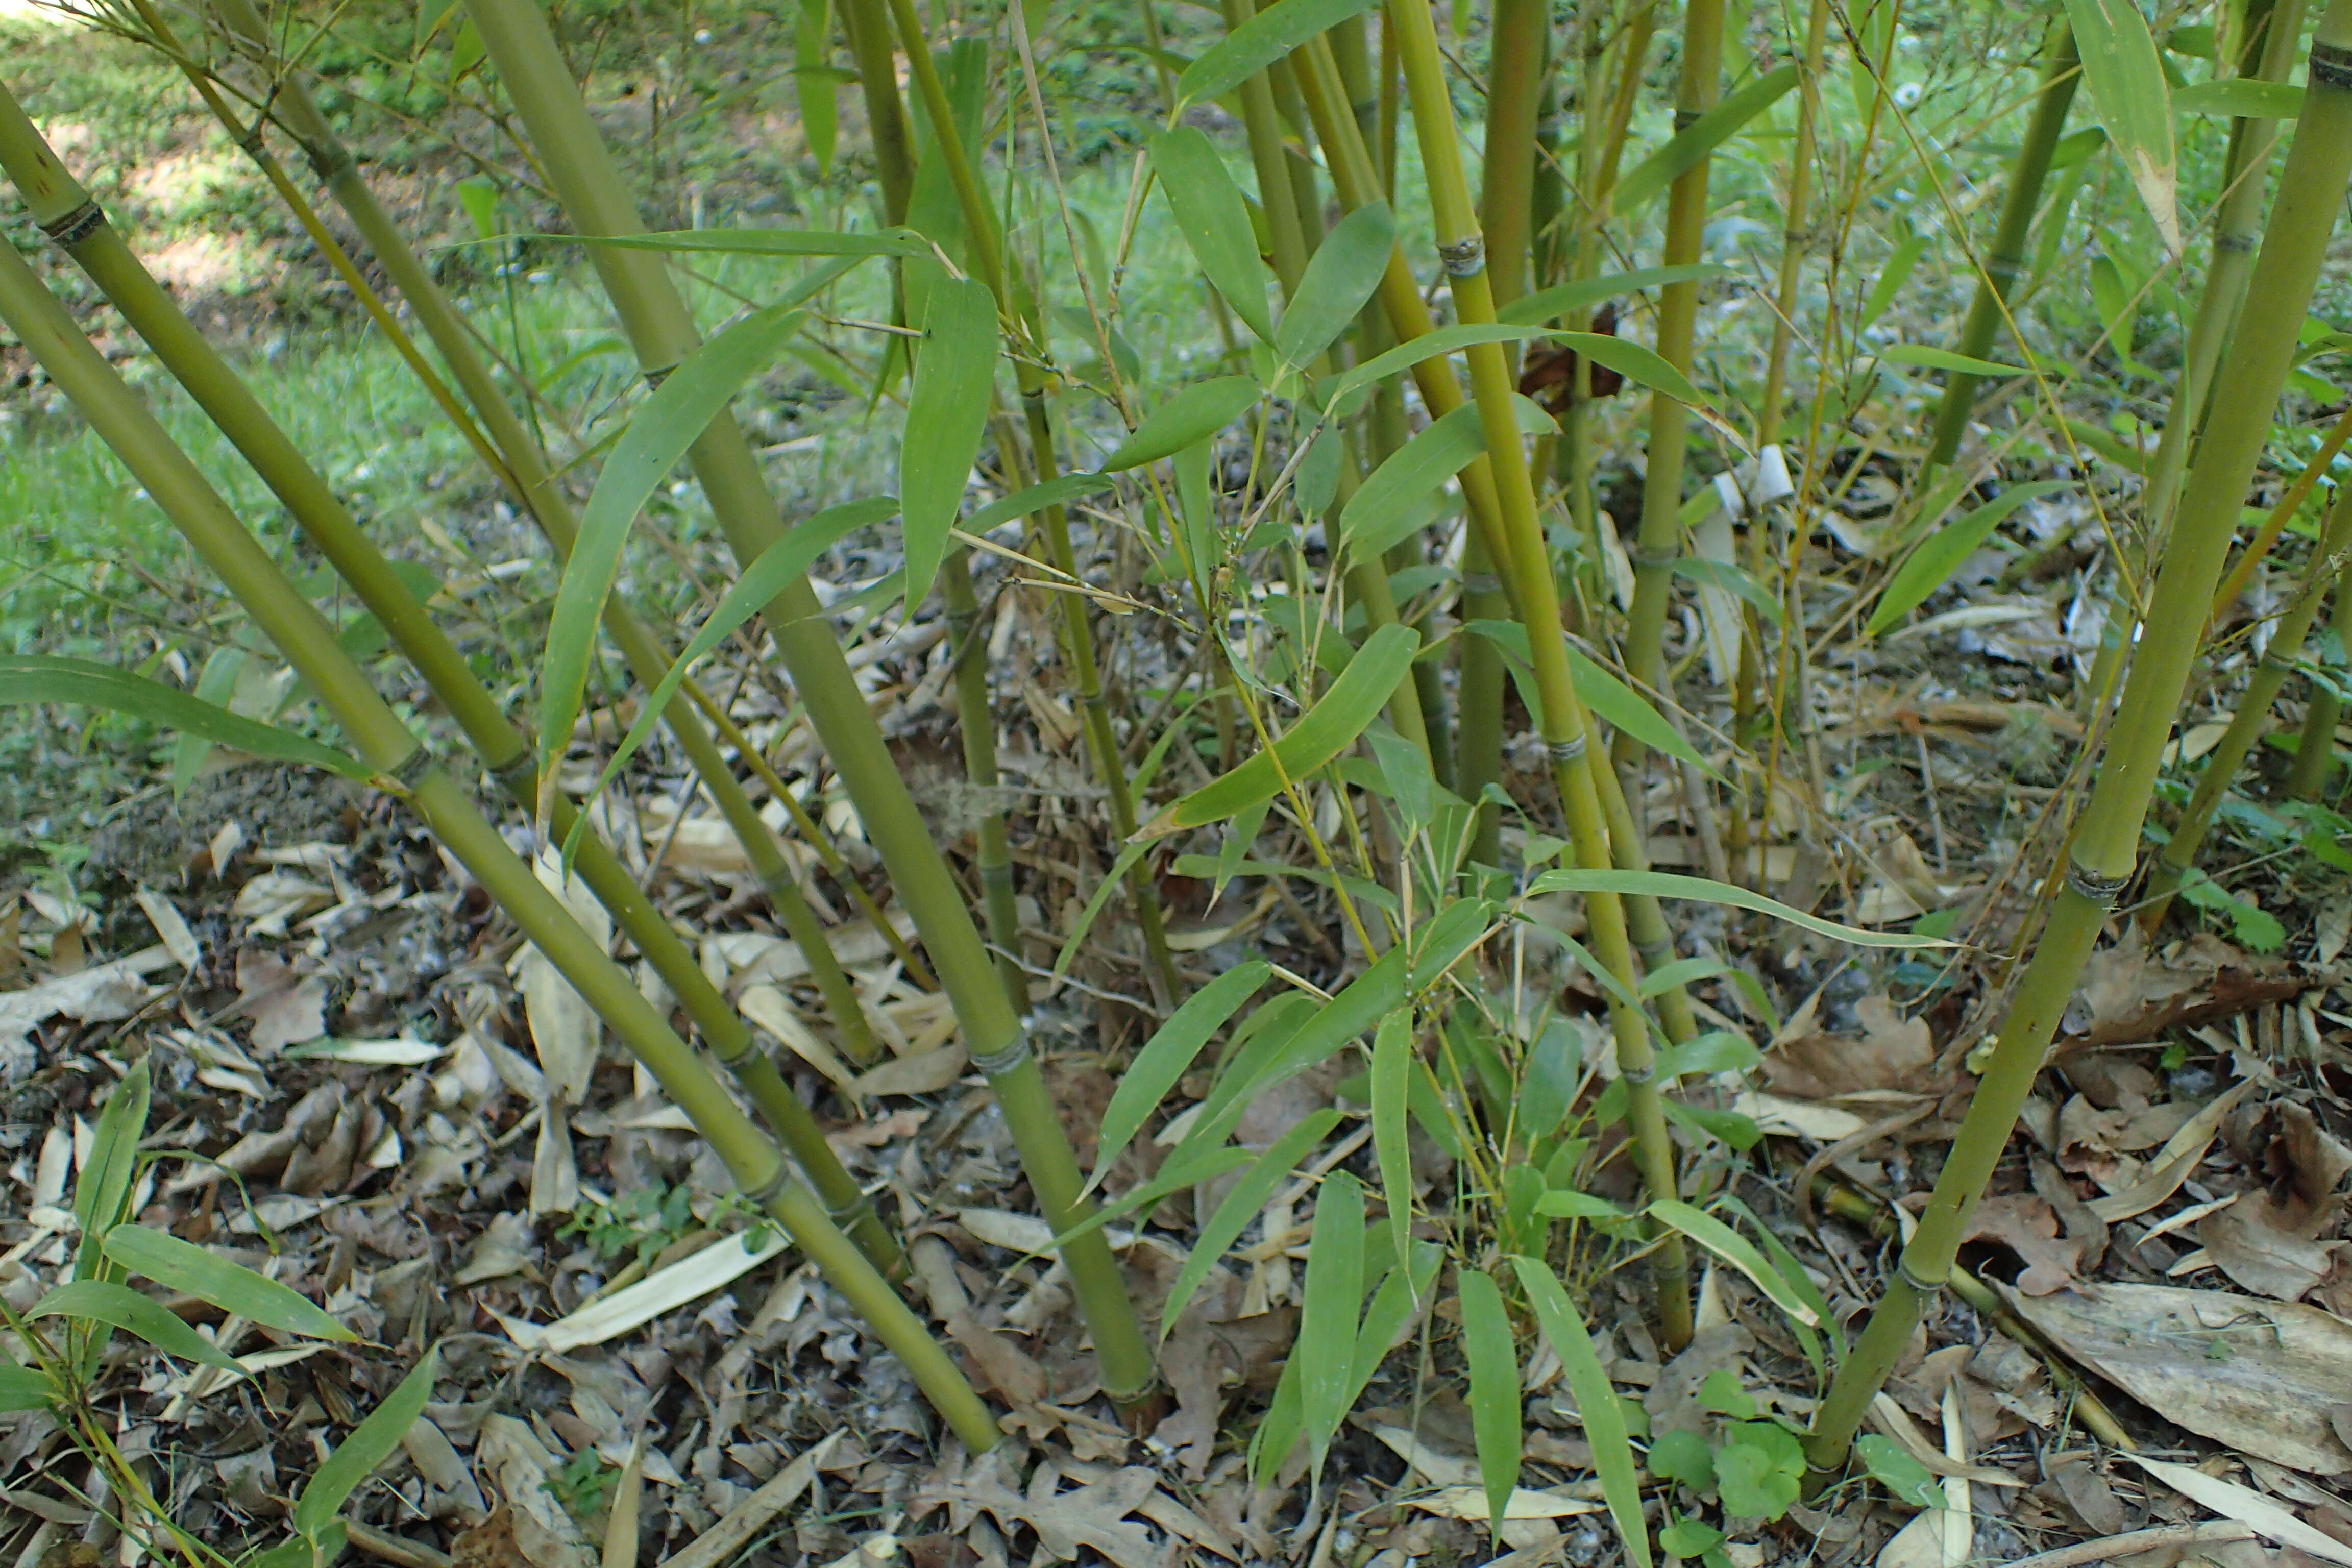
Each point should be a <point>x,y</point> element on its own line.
<point>1053,522</point>
<point>1660,533</point>
<point>123,421</point>
<point>2228,757</point>
<point>2315,752</point>
<point>2061,73</point>
<point>1515,82</point>
<point>522,464</point>
<point>1526,565</point>
<point>63,208</point>
<point>2295,249</point>
<point>661,331</point>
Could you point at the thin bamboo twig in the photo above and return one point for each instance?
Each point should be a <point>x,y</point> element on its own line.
<point>2315,752</point>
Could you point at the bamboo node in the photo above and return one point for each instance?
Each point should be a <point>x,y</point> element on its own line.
<point>2096,886</point>
<point>1912,1278</point>
<point>2238,242</point>
<point>1567,752</point>
<point>654,378</point>
<point>1657,558</point>
<point>515,767</point>
<point>996,1064</point>
<point>1463,257</point>
<point>1481,583</point>
<point>75,226</point>
<point>1638,1076</point>
<point>330,163</point>
<point>1687,118</point>
<point>412,768</point>
<point>766,1193</point>
<point>2331,63</point>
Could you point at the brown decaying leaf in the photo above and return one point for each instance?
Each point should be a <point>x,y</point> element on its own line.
<point>1892,1052</point>
<point>2028,1227</point>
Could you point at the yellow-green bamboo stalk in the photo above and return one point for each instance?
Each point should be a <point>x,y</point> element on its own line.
<point>378,737</point>
<point>2222,764</point>
<point>662,332</point>
<point>1527,563</point>
<point>65,209</point>
<point>521,463</point>
<point>2315,752</point>
<point>2106,848</point>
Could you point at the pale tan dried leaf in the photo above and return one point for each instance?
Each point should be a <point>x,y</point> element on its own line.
<point>2267,1258</point>
<point>171,927</point>
<point>2248,1507</point>
<point>665,1290</point>
<point>545,1534</point>
<point>925,1074</point>
<point>2181,1154</point>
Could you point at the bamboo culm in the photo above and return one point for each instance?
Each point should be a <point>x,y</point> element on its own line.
<point>2315,752</point>
<point>377,735</point>
<point>660,329</point>
<point>2102,858</point>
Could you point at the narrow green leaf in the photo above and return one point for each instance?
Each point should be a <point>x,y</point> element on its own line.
<point>776,568</point>
<point>1112,881</point>
<point>370,1445</point>
<point>1618,705</point>
<point>1735,1249</point>
<point>2239,97</point>
<point>814,86</point>
<point>1667,885</point>
<point>1494,1398</point>
<point>1891,278</point>
<point>762,242</point>
<point>1168,1056</point>
<point>216,683</point>
<point>183,1266</point>
<point>1932,564</point>
<point>1653,174</point>
<point>1331,1298</point>
<point>1391,491</point>
<point>1903,1476</point>
<point>2125,76</point>
<point>1328,728</point>
<point>1392,1095</point>
<point>1927,358</point>
<point>946,418</point>
<point>1596,1403</point>
<point>1548,305</point>
<point>34,678</point>
<point>1241,1205</point>
<point>1193,415</point>
<point>1275,1056</point>
<point>1036,498</point>
<point>1429,345</point>
<point>119,1306</point>
<point>1174,1177</point>
<point>1342,274</point>
<point>22,1388</point>
<point>1736,580</point>
<point>104,1186</point>
<point>1214,222</point>
<point>672,420</point>
<point>1257,43</point>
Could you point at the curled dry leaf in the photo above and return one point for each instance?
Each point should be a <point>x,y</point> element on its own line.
<point>1891,1052</point>
<point>2028,1227</point>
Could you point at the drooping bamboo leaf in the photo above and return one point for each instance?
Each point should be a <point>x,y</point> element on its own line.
<point>1667,885</point>
<point>672,420</point>
<point>1241,1205</point>
<point>233,1287</point>
<point>1932,564</point>
<point>1392,1148</point>
<point>2125,76</point>
<point>945,420</point>
<point>1214,222</point>
<point>1548,305</point>
<point>216,683</point>
<point>1193,416</point>
<point>1617,704</point>
<point>1036,498</point>
<point>1341,276</point>
<point>1495,1397</point>
<point>1257,43</point>
<point>1331,1298</point>
<point>104,1185</point>
<point>116,1305</point>
<point>370,1445</point>
<point>1429,345</point>
<point>40,678</point>
<point>2239,97</point>
<point>1927,358</point>
<point>776,568</point>
<point>900,242</point>
<point>1735,1249</point>
<point>1388,506</point>
<point>1328,728</point>
<point>1596,1403</point>
<point>1653,174</point>
<point>1168,1056</point>
<point>1891,277</point>
<point>1635,362</point>
<point>814,86</point>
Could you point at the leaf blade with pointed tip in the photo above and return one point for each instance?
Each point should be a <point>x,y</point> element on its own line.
<point>946,417</point>
<point>899,242</point>
<point>1168,1055</point>
<point>1653,173</point>
<point>1258,43</point>
<point>1926,358</point>
<point>1330,1304</point>
<point>1494,1389</point>
<point>1240,1206</point>
<point>2125,76</point>
<point>1193,416</point>
<point>1549,304</point>
<point>1214,222</point>
<point>1735,1249</point>
<point>233,1287</point>
<point>116,1305</point>
<point>1596,1403</point>
<point>1668,885</point>
<point>1941,553</point>
<point>1340,279</point>
<point>370,1444</point>
<point>104,1184</point>
<point>1391,1145</point>
<point>42,677</point>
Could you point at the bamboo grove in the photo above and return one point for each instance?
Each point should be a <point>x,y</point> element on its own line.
<point>1413,219</point>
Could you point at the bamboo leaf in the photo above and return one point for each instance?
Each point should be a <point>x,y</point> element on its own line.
<point>183,1266</point>
<point>1193,416</point>
<point>1653,173</point>
<point>776,568</point>
<point>1391,1147</point>
<point>1596,1404</point>
<point>1241,1206</point>
<point>672,420</point>
<point>1891,278</point>
<point>1933,563</point>
<point>900,242</point>
<point>946,418</point>
<point>1635,362</point>
<point>1617,704</point>
<point>2125,76</point>
<point>814,86</point>
<point>1112,881</point>
<point>1667,885</point>
<point>1329,727</point>
<point>104,1185</point>
<point>1168,1056</point>
<point>1391,494</point>
<point>370,1445</point>
<point>1036,498</point>
<point>1257,43</point>
<point>1330,1302</point>
<point>2239,97</point>
<point>1494,1396</point>
<point>34,678</point>
<point>1342,274</point>
<point>113,1303</point>
<point>22,1388</point>
<point>1429,345</point>
<point>1927,358</point>
<point>1735,1249</point>
<point>1549,304</point>
<point>1214,222</point>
